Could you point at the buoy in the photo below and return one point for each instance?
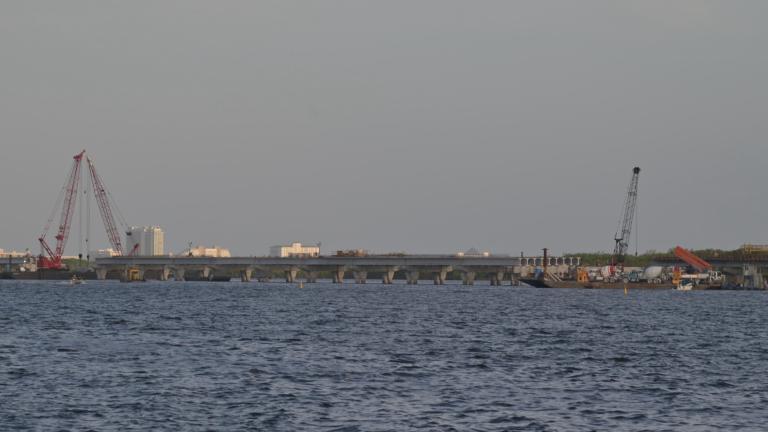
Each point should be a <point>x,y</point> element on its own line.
<point>626,288</point>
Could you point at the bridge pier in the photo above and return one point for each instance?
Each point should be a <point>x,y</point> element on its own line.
<point>290,275</point>
<point>412,277</point>
<point>165,273</point>
<point>389,276</point>
<point>469,278</point>
<point>442,275</point>
<point>101,273</point>
<point>497,278</point>
<point>206,273</point>
<point>361,276</point>
<point>338,274</point>
<point>246,274</point>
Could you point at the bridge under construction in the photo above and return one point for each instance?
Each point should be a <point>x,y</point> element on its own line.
<point>412,268</point>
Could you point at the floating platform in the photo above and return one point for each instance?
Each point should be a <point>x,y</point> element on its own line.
<point>46,274</point>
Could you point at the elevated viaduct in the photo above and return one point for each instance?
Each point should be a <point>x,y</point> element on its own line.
<point>412,267</point>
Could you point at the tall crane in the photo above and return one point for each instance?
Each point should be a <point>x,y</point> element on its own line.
<point>624,228</point>
<point>51,259</point>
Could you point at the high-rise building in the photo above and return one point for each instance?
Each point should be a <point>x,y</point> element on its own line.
<point>150,240</point>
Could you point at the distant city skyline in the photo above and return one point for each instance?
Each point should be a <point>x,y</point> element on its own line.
<point>424,127</point>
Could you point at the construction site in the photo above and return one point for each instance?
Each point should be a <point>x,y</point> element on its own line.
<point>141,256</point>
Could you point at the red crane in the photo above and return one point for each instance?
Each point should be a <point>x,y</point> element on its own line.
<point>51,259</point>
<point>104,208</point>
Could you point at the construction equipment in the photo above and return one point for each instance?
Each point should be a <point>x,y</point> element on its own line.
<point>624,228</point>
<point>51,258</point>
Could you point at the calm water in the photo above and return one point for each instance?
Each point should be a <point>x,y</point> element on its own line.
<point>199,356</point>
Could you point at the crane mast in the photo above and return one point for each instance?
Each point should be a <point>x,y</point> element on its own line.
<point>625,223</point>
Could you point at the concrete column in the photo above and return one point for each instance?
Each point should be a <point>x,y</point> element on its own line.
<point>290,274</point>
<point>178,274</point>
<point>165,273</point>
<point>413,277</point>
<point>469,278</point>
<point>361,276</point>
<point>338,274</point>
<point>497,278</point>
<point>101,273</point>
<point>206,273</point>
<point>389,276</point>
<point>246,274</point>
<point>442,275</point>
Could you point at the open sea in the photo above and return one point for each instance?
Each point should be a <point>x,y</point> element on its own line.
<point>107,356</point>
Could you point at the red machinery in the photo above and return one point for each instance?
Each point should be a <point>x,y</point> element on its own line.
<point>692,260</point>
<point>51,259</point>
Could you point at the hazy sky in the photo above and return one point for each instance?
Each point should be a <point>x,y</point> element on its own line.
<point>419,126</point>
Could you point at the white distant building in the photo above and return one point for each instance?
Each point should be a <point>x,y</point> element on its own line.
<point>13,254</point>
<point>473,253</point>
<point>202,251</point>
<point>294,250</point>
<point>150,240</point>
<point>103,253</point>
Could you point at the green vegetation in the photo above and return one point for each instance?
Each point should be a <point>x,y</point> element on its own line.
<point>75,264</point>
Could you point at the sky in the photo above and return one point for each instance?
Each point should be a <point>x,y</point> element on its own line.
<point>429,126</point>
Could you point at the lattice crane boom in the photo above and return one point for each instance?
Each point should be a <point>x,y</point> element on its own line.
<point>53,258</point>
<point>625,223</point>
<point>100,192</point>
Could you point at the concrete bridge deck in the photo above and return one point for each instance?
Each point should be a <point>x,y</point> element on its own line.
<point>412,266</point>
